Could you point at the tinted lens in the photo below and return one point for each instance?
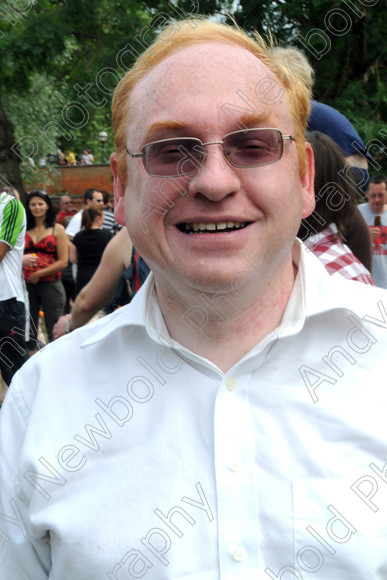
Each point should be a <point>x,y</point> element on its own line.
<point>253,147</point>
<point>172,157</point>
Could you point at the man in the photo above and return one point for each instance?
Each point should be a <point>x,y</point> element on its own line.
<point>66,208</point>
<point>375,215</point>
<point>87,158</point>
<point>13,351</point>
<point>92,198</point>
<point>213,427</point>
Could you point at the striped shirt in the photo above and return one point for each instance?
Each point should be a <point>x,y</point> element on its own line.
<point>12,232</point>
<point>109,223</point>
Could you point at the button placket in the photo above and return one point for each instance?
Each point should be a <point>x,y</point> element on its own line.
<point>235,479</point>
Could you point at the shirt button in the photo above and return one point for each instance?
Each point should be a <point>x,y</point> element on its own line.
<point>239,554</point>
<point>235,466</point>
<point>231,384</point>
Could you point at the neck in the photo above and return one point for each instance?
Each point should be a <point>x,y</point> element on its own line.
<point>224,326</point>
<point>39,222</point>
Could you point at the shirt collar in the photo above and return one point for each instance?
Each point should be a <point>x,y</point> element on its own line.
<point>313,293</point>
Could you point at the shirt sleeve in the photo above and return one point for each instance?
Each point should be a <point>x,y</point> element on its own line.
<point>74,225</point>
<point>23,555</point>
<point>11,222</point>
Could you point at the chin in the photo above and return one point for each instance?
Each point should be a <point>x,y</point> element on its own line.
<point>213,281</point>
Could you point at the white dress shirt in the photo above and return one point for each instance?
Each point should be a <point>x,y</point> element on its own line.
<point>75,224</point>
<point>122,457</point>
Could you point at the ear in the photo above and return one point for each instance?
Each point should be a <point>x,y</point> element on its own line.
<point>307,182</point>
<point>119,191</point>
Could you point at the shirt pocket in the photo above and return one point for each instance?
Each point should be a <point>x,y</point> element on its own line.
<point>336,534</point>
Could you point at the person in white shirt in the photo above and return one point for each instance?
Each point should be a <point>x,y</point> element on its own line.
<point>92,198</point>
<point>87,158</point>
<point>375,215</point>
<point>13,351</point>
<point>229,422</point>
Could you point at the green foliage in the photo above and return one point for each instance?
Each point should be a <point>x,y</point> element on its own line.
<point>345,42</point>
<point>59,58</point>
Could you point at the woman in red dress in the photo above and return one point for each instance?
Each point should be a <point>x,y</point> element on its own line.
<point>46,254</point>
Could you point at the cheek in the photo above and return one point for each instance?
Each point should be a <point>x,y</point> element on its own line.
<point>148,200</point>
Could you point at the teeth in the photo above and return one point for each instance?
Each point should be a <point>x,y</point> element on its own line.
<point>212,226</point>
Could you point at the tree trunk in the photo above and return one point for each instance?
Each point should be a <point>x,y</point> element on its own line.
<point>9,161</point>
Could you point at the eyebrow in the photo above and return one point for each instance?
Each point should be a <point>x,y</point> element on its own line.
<point>164,126</point>
<point>247,120</point>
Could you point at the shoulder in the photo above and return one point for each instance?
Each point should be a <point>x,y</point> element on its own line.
<point>106,234</point>
<point>78,236</point>
<point>363,208</point>
<point>10,207</point>
<point>59,229</point>
<point>77,216</point>
<point>73,346</point>
<point>12,220</point>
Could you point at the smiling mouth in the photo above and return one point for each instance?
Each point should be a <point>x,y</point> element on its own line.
<point>211,227</point>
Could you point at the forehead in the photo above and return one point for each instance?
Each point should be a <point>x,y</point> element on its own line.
<point>97,194</point>
<point>37,198</point>
<point>210,80</point>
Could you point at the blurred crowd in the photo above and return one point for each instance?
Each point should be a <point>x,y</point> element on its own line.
<point>49,261</point>
<point>59,157</point>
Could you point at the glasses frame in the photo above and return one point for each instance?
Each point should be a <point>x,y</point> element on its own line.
<point>281,140</point>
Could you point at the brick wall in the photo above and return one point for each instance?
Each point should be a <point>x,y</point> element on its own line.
<point>74,180</point>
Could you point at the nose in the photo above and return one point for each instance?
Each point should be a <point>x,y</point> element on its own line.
<point>214,179</point>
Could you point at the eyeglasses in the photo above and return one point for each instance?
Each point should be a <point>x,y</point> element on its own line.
<point>182,156</point>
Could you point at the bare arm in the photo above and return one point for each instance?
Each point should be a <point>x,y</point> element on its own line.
<point>98,291</point>
<point>73,253</point>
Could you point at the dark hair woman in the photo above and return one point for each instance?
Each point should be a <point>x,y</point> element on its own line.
<point>336,199</point>
<point>46,254</point>
<point>336,231</point>
<point>87,246</point>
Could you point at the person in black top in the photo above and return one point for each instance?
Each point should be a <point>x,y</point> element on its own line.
<point>87,246</point>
